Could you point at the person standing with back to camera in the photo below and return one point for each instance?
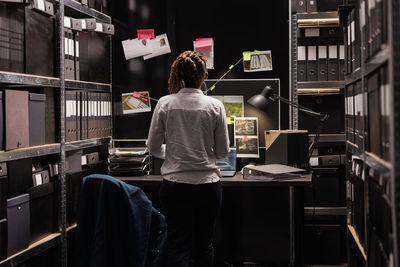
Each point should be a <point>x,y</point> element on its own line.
<point>195,132</point>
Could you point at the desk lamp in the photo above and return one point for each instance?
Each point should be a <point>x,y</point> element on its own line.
<point>261,101</point>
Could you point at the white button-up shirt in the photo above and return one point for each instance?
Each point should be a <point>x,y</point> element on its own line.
<point>195,132</point>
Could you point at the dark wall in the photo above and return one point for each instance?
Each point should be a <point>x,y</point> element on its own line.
<point>235,26</point>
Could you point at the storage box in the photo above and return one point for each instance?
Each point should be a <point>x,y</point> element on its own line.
<point>37,121</point>
<point>73,161</point>
<point>289,147</point>
<point>43,204</point>
<point>18,217</point>
<point>19,176</point>
<point>3,239</point>
<point>3,190</point>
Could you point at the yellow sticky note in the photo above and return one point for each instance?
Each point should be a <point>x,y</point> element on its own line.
<point>246,55</point>
<point>212,87</point>
<point>231,67</point>
<point>256,52</point>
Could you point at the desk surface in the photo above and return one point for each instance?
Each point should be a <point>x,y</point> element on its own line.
<point>237,180</point>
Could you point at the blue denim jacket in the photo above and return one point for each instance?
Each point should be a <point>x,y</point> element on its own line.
<point>118,226</point>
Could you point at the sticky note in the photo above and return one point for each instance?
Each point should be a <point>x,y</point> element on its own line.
<point>246,56</point>
<point>256,52</point>
<point>212,87</point>
<point>203,42</point>
<point>231,67</point>
<point>145,34</point>
<point>136,94</point>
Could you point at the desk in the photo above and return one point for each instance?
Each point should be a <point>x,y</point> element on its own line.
<point>270,225</point>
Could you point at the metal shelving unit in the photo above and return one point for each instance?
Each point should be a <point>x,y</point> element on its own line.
<point>20,80</point>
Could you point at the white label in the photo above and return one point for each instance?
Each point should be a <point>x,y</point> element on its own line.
<point>362,14</point>
<point>353,31</point>
<point>99,27</point>
<point>341,52</point>
<point>67,109</point>
<point>312,52</point>
<point>38,179</point>
<point>351,105</point>
<point>322,51</point>
<point>314,161</point>
<point>71,47</point>
<point>312,32</point>
<point>363,175</point>
<point>73,107</point>
<point>67,22</point>
<point>77,48</point>
<point>301,53</point>
<point>388,100</point>
<point>79,108</point>
<point>332,51</point>
<point>84,160</point>
<point>83,21</point>
<point>40,4</point>
<point>66,44</point>
<point>348,35</point>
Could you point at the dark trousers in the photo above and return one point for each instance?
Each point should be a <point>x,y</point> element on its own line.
<point>190,211</point>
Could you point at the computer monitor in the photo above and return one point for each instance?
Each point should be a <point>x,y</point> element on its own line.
<point>227,165</point>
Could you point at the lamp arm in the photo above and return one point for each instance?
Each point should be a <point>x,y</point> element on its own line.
<point>310,112</point>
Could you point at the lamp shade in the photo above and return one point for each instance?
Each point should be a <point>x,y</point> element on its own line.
<point>261,101</point>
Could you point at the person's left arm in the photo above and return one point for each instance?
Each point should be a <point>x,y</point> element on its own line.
<point>156,136</point>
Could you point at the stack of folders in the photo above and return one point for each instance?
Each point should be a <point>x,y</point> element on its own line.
<point>357,197</point>
<point>72,29</point>
<point>349,111</point>
<point>88,115</point>
<point>129,161</point>
<point>379,101</point>
<point>271,172</point>
<point>320,56</point>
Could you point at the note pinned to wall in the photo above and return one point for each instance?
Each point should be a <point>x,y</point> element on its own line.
<point>136,102</point>
<point>246,137</point>
<point>159,45</point>
<point>136,48</point>
<point>145,34</point>
<point>234,106</point>
<point>257,61</point>
<point>205,47</point>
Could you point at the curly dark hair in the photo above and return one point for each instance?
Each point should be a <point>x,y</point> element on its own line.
<point>187,70</point>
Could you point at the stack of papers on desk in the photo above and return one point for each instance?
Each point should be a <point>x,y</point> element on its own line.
<point>271,172</point>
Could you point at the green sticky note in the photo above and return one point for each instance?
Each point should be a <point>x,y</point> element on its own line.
<point>246,55</point>
<point>212,87</point>
<point>231,67</point>
<point>256,52</point>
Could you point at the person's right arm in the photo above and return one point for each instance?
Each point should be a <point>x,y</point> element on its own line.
<point>221,137</point>
<point>156,136</point>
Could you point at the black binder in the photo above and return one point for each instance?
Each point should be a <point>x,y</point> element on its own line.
<point>2,125</point>
<point>357,40</point>
<point>37,126</point>
<point>333,63</point>
<point>76,61</point>
<point>311,6</point>
<point>373,115</point>
<point>342,65</point>
<point>372,27</point>
<point>12,38</point>
<point>385,113</point>
<point>312,63</point>
<point>39,36</point>
<point>378,20</point>
<point>359,115</point>
<point>19,176</point>
<point>301,64</point>
<point>70,120</point>
<point>78,115</point>
<point>16,119</point>
<point>322,63</point>
<point>350,114</point>
<point>364,23</point>
<point>348,45</point>
<point>301,6</point>
<point>84,120</point>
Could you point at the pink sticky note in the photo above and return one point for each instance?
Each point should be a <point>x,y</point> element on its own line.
<point>245,137</point>
<point>203,42</point>
<point>136,94</point>
<point>145,34</point>
<point>144,99</point>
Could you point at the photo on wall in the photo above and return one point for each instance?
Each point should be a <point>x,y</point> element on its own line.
<point>246,137</point>
<point>136,102</point>
<point>234,106</point>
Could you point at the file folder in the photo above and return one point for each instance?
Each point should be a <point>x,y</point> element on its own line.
<point>311,6</point>
<point>3,190</point>
<point>379,22</point>
<point>69,119</point>
<point>98,115</point>
<point>342,66</point>
<point>301,6</point>
<point>364,29</point>
<point>333,63</point>
<point>37,120</point>
<point>76,61</point>
<point>385,112</point>
<point>372,27</point>
<point>301,64</point>
<point>312,63</point>
<point>349,45</point>
<point>69,73</point>
<point>357,39</point>
<point>16,119</point>
<point>39,35</point>
<point>322,63</point>
<point>353,41</point>
<point>91,120</point>
<point>84,125</point>
<point>359,115</point>
<point>2,125</point>
<point>373,114</point>
<point>351,137</point>
<point>78,116</point>
<point>12,28</point>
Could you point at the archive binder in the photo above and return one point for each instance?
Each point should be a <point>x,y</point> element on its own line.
<point>39,30</point>
<point>373,114</point>
<point>84,119</point>
<point>311,63</point>
<point>311,6</point>
<point>342,66</point>
<point>69,72</point>
<point>349,45</point>
<point>301,64</point>
<point>358,115</point>
<point>76,58</point>
<point>385,112</point>
<point>357,39</point>
<point>364,29</point>
<point>16,119</point>
<point>70,121</point>
<point>353,40</point>
<point>332,63</point>
<point>349,114</point>
<point>78,115</point>
<point>372,27</point>
<point>37,121</point>
<point>322,63</point>
<point>2,126</point>
<point>301,6</point>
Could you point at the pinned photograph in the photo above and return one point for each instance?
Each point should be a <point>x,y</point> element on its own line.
<point>233,107</point>
<point>159,45</point>
<point>205,47</point>
<point>136,102</point>
<point>246,126</point>
<point>247,147</point>
<point>257,61</point>
<point>136,48</point>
